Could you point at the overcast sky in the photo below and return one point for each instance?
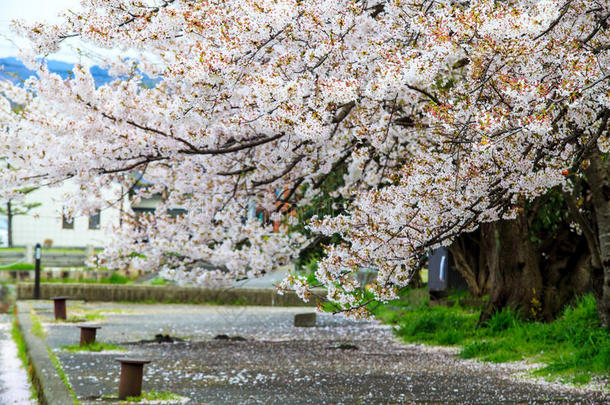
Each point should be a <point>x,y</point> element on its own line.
<point>33,11</point>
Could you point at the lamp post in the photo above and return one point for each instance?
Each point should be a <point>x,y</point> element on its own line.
<point>37,253</point>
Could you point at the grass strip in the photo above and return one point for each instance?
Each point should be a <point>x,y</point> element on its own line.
<point>574,348</point>
<point>62,375</point>
<point>114,278</point>
<point>93,347</point>
<point>156,397</point>
<point>22,354</point>
<point>19,266</point>
<point>37,328</point>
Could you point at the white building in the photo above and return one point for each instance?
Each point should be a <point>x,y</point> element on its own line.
<point>45,223</point>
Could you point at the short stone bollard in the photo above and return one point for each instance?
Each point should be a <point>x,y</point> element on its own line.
<point>59,306</point>
<point>130,381</point>
<point>305,320</point>
<point>29,254</point>
<point>87,334</point>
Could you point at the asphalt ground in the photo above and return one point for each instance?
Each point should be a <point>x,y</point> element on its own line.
<point>272,362</point>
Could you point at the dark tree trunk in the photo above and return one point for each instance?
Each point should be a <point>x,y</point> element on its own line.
<point>598,176</point>
<point>566,272</point>
<point>416,280</point>
<point>470,262</point>
<point>9,224</point>
<point>512,262</point>
<point>536,263</point>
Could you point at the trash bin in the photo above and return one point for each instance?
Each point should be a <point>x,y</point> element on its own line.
<point>442,276</point>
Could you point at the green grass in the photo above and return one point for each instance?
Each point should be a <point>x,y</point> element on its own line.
<point>72,319</point>
<point>410,300</point>
<point>158,281</point>
<point>114,278</point>
<point>95,317</point>
<point>37,328</point>
<point>155,396</point>
<point>21,347</point>
<point>239,301</point>
<point>62,375</point>
<point>160,397</point>
<point>80,314</point>
<point>19,266</point>
<point>573,347</point>
<point>78,318</point>
<point>22,354</point>
<point>93,347</point>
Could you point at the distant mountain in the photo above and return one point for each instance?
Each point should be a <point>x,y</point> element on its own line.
<point>14,70</point>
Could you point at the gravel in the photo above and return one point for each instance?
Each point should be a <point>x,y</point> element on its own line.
<point>337,362</point>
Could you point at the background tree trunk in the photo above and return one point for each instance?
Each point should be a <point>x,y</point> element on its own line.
<point>536,263</point>
<point>598,176</point>
<point>512,261</point>
<point>469,261</point>
<point>566,271</point>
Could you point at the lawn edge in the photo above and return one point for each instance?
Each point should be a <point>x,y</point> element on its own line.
<point>49,384</point>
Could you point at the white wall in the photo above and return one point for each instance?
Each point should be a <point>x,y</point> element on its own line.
<point>45,221</point>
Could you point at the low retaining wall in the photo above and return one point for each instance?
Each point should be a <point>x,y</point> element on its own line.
<point>117,292</point>
<point>51,389</point>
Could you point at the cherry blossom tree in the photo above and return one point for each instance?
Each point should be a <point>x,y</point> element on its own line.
<point>13,99</point>
<point>443,115</point>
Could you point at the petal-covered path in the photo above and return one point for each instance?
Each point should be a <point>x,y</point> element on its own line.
<point>337,362</point>
<point>14,385</point>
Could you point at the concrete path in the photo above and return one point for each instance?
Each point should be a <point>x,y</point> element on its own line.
<point>272,362</point>
<point>268,280</point>
<point>14,385</point>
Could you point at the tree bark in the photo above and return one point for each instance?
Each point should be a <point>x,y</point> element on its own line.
<point>470,263</point>
<point>512,262</point>
<point>598,176</point>
<point>566,272</point>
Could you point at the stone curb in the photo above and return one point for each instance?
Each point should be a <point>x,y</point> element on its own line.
<point>165,294</point>
<point>51,389</point>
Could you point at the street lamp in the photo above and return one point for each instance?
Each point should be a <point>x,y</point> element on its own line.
<point>37,253</point>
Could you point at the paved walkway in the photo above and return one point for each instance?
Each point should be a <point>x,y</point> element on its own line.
<point>337,362</point>
<point>14,385</point>
<point>268,280</point>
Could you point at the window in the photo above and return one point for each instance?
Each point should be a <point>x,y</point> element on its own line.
<point>142,212</point>
<point>67,222</point>
<point>94,220</point>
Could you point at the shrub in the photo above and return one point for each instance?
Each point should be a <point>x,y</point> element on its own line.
<point>116,278</point>
<point>573,346</point>
<point>450,337</point>
<point>502,320</point>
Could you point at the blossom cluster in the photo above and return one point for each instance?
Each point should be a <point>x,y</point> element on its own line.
<point>442,115</point>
